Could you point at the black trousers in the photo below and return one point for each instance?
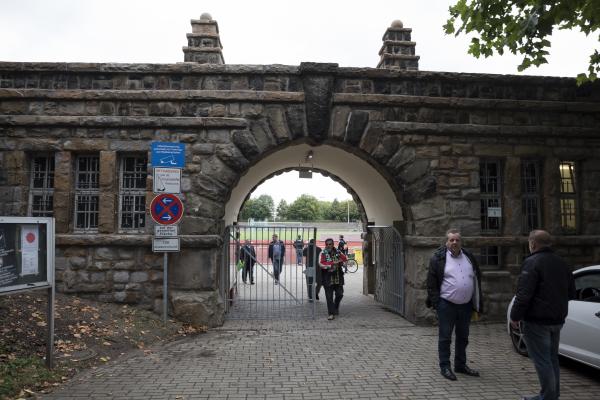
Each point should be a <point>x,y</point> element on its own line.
<point>333,304</point>
<point>248,270</point>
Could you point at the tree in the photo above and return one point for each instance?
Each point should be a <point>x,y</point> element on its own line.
<point>304,208</point>
<point>282,210</point>
<point>523,27</point>
<point>260,208</point>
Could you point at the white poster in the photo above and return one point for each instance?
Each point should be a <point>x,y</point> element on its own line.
<point>29,249</point>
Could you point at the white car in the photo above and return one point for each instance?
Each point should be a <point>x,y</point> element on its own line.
<point>580,336</point>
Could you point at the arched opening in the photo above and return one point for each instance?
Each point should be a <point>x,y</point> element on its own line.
<point>368,187</point>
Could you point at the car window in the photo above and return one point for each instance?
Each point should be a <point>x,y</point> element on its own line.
<point>587,287</point>
<point>588,279</point>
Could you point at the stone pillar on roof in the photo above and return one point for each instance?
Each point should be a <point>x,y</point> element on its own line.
<point>398,51</point>
<point>204,44</point>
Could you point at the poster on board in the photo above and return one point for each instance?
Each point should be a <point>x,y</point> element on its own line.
<point>26,253</point>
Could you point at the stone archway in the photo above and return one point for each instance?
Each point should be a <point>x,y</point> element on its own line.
<point>368,187</point>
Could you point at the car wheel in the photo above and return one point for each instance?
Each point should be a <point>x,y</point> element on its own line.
<point>516,337</point>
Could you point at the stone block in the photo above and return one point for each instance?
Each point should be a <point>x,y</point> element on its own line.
<point>106,253</point>
<point>78,262</point>
<point>128,297</point>
<point>198,307</point>
<point>125,264</point>
<point>468,164</point>
<point>121,277</point>
<point>415,170</point>
<point>97,277</point>
<point>196,269</point>
<point>139,276</point>
<point>448,162</point>
<point>429,208</point>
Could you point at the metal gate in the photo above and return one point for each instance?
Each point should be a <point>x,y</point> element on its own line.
<point>267,290</point>
<point>389,266</point>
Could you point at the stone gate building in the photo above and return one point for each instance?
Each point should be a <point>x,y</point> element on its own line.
<point>493,155</point>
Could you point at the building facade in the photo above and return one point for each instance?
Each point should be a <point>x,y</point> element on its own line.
<point>492,155</point>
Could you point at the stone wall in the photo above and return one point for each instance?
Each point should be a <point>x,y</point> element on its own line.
<point>425,132</point>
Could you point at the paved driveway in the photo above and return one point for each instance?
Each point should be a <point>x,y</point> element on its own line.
<point>366,353</point>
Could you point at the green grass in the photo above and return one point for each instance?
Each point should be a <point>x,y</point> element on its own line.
<point>24,373</point>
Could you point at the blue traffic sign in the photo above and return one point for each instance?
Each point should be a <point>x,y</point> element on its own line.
<point>166,209</point>
<point>167,154</point>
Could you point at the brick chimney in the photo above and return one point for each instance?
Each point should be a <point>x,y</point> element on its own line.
<point>398,51</point>
<point>204,44</point>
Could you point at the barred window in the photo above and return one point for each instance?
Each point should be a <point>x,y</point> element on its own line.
<point>489,256</point>
<point>41,186</point>
<point>530,195</point>
<point>87,174</point>
<point>568,196</point>
<point>132,192</point>
<point>490,184</point>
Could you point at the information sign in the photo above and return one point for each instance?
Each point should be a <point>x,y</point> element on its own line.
<point>164,245</point>
<point>26,253</point>
<point>166,209</point>
<point>167,180</point>
<point>167,154</point>
<point>165,230</point>
<point>494,212</point>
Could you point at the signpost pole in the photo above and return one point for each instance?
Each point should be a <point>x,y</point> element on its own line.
<point>50,336</point>
<point>165,274</point>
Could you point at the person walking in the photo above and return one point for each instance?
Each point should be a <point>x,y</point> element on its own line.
<point>299,245</point>
<point>454,291</point>
<point>343,245</point>
<point>331,263</point>
<point>312,252</point>
<point>277,255</point>
<point>248,258</point>
<point>542,302</point>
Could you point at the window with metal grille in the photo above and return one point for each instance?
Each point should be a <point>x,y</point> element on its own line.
<point>490,185</point>
<point>41,186</point>
<point>530,195</point>
<point>87,184</point>
<point>489,256</point>
<point>133,171</point>
<point>568,196</point>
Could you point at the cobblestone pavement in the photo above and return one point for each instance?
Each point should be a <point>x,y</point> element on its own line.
<point>366,353</point>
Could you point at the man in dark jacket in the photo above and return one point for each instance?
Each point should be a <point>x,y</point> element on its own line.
<point>277,256</point>
<point>248,258</point>
<point>312,252</point>
<point>545,287</point>
<point>454,291</point>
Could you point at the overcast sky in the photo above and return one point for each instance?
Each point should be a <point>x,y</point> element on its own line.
<point>347,32</point>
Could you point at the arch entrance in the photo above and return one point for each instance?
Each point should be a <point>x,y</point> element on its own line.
<point>367,186</point>
<point>251,282</point>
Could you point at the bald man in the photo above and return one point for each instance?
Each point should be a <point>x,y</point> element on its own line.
<point>542,302</point>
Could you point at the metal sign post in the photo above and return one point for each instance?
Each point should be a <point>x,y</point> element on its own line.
<point>166,209</point>
<point>165,277</point>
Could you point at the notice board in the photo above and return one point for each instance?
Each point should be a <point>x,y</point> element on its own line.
<point>26,253</point>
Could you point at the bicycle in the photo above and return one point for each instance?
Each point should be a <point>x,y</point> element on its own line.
<point>350,266</point>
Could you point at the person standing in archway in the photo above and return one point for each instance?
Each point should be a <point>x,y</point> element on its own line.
<point>312,252</point>
<point>277,255</point>
<point>248,258</point>
<point>299,245</point>
<point>343,245</point>
<point>331,263</point>
<point>454,291</point>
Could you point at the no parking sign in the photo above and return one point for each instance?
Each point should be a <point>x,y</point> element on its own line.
<point>166,209</point>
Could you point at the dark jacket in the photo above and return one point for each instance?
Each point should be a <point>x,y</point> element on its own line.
<point>545,287</point>
<point>313,254</point>
<point>282,250</point>
<point>435,277</point>
<point>248,255</point>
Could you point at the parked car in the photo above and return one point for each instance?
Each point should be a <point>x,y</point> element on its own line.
<point>580,336</point>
